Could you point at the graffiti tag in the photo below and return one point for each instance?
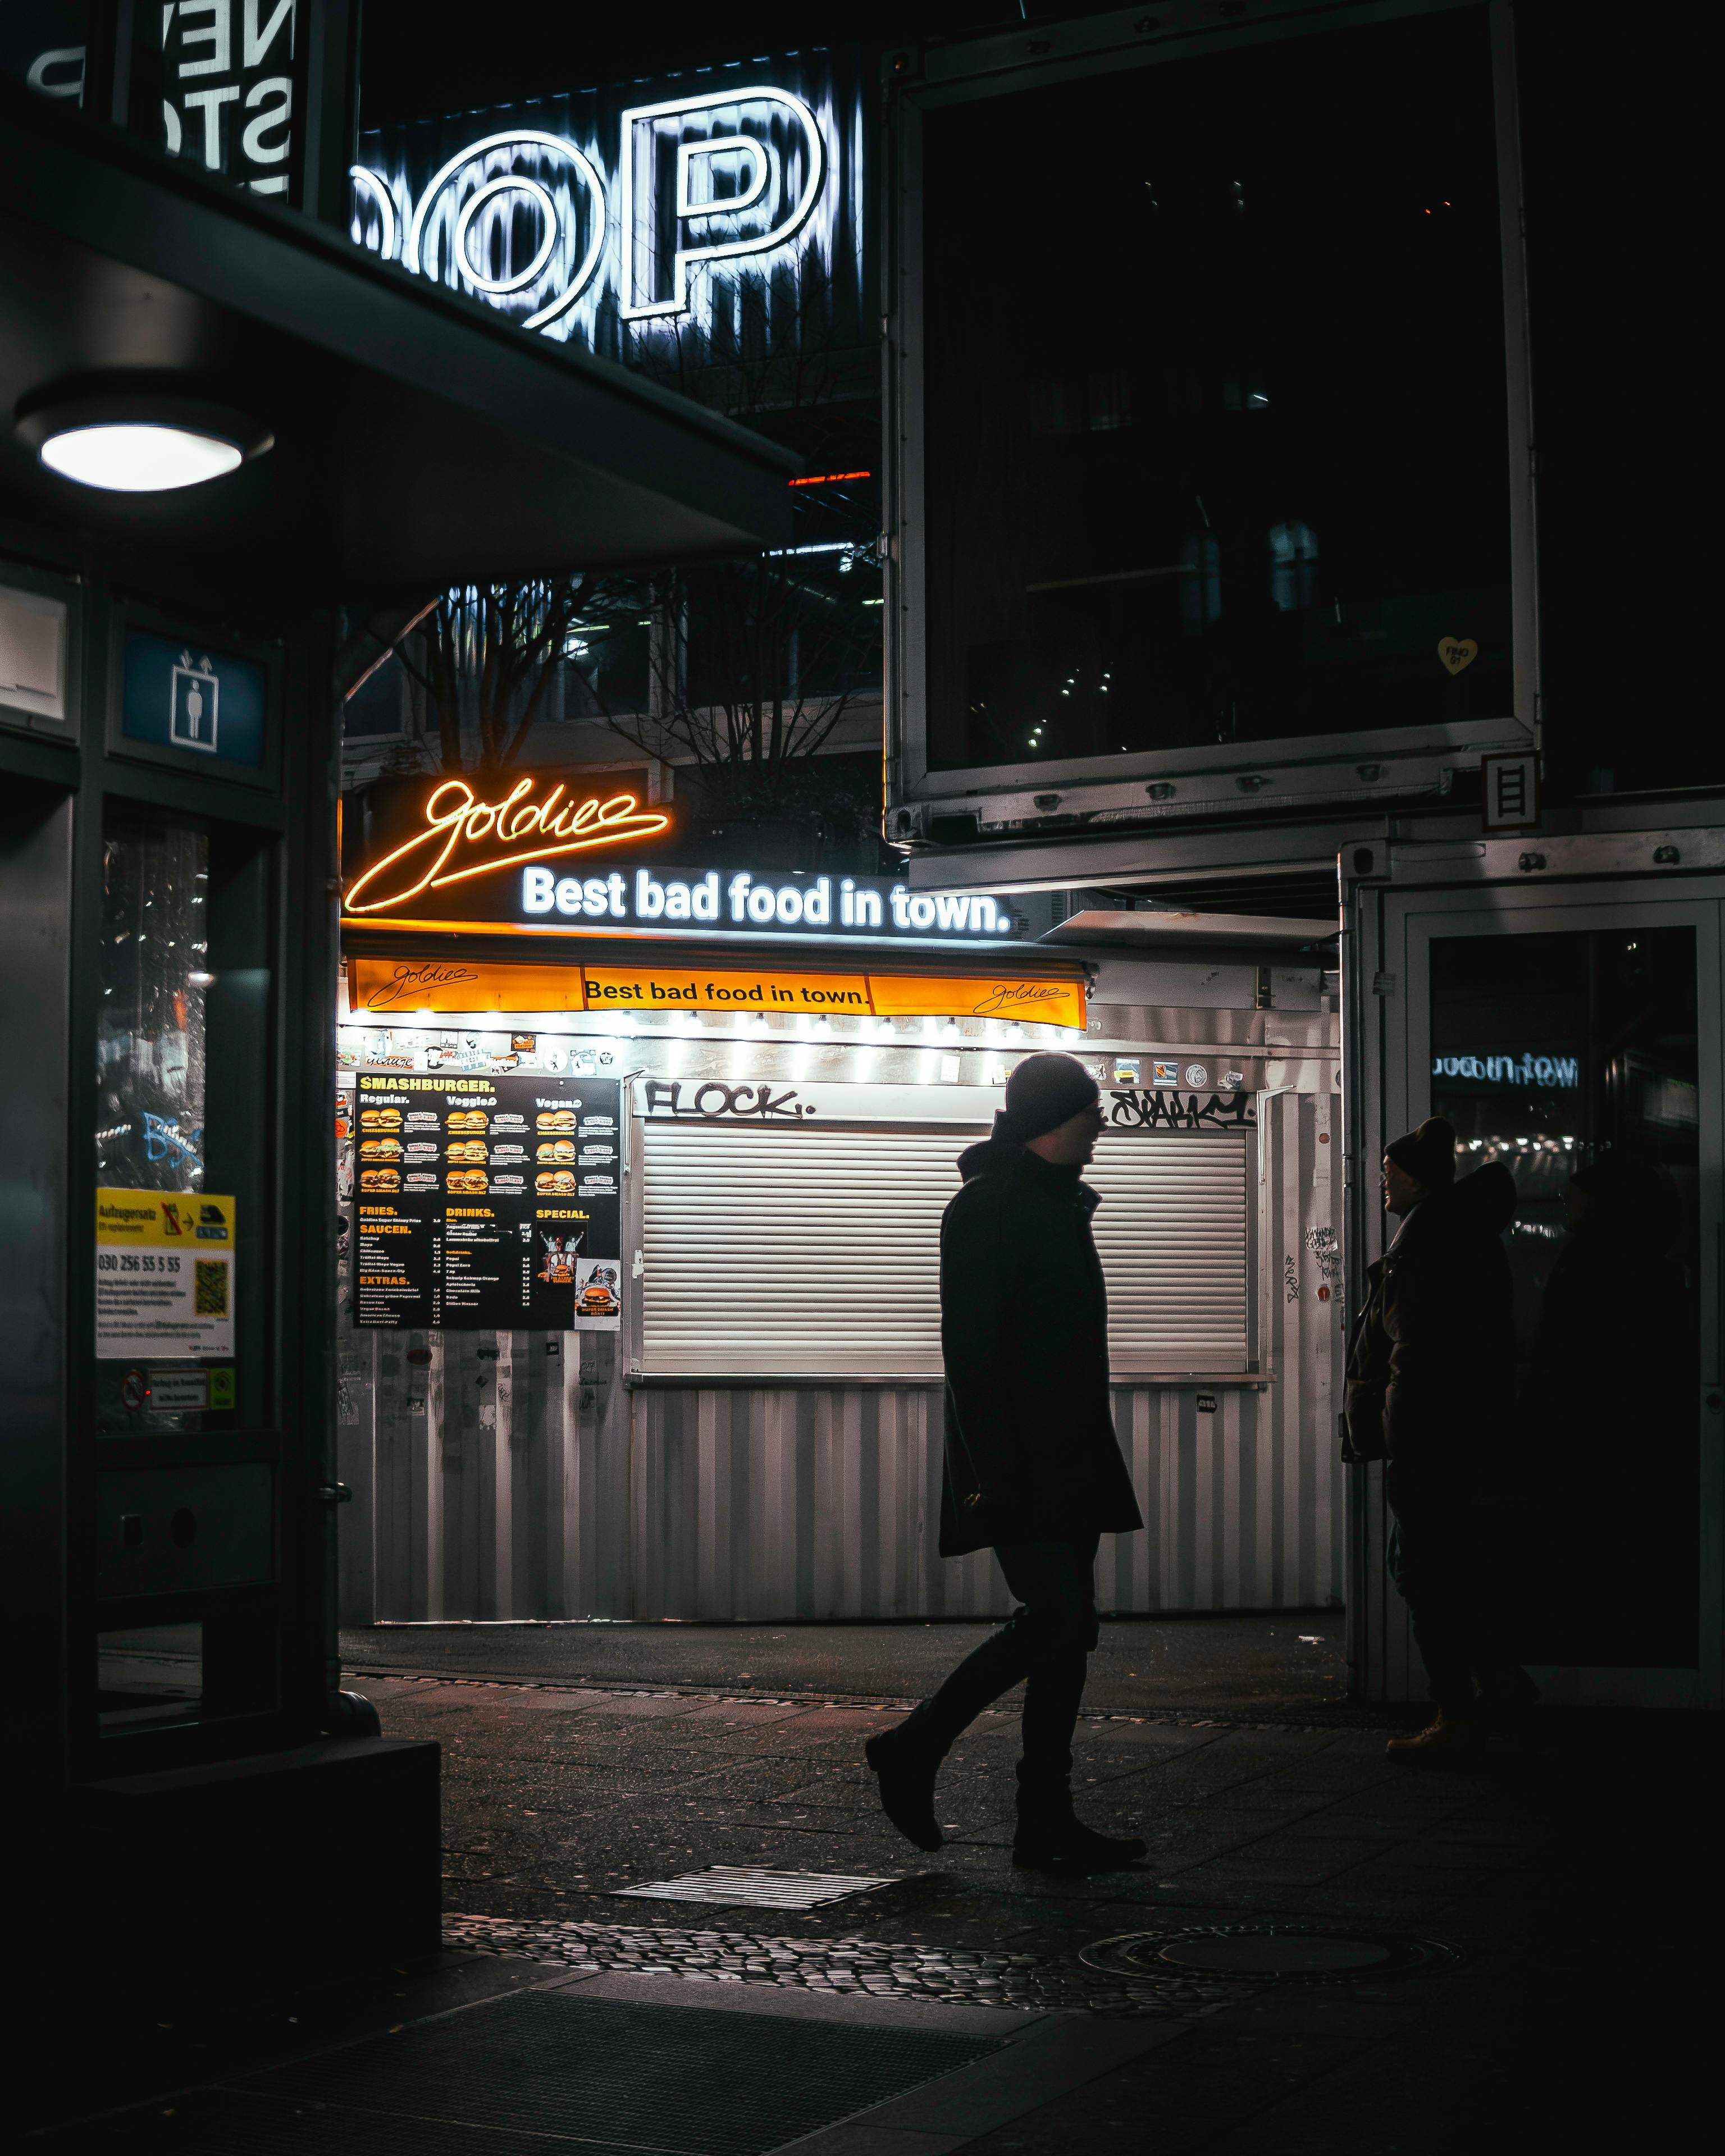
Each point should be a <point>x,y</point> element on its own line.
<point>1325,1246</point>
<point>712,1102</point>
<point>165,1141</point>
<point>1137,1109</point>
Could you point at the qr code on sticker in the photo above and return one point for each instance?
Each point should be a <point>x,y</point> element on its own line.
<point>209,1288</point>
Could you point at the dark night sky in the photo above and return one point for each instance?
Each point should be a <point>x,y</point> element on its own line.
<point>537,46</point>
<point>1615,136</point>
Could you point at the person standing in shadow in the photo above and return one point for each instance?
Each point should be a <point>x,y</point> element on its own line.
<point>1431,1390</point>
<point>1033,1468</point>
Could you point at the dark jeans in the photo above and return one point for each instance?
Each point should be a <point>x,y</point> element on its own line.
<point>1045,1645</point>
<point>1444,1559</point>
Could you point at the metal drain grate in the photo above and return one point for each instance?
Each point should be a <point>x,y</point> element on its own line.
<point>1265,1953</point>
<point>750,1885</point>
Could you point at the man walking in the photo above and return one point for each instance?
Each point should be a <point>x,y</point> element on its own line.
<point>1431,1383</point>
<point>1033,1469</point>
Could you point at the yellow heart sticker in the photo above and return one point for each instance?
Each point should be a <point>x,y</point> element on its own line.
<point>1457,652</point>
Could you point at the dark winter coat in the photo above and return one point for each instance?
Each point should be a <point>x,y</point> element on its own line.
<point>1431,1362</point>
<point>1031,1453</point>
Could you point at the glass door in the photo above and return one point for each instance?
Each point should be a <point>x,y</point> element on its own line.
<point>180,1389</point>
<point>1578,1043</point>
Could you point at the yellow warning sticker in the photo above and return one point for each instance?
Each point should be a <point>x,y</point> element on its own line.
<point>164,1264</point>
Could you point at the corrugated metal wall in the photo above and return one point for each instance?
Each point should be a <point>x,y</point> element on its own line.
<point>521,1484</point>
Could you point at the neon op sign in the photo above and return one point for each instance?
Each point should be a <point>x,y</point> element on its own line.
<point>628,217</point>
<point>702,203</point>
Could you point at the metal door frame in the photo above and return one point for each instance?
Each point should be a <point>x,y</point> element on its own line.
<point>1388,1036</point>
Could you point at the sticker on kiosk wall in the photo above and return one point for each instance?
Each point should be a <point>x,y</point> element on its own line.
<point>164,1274</point>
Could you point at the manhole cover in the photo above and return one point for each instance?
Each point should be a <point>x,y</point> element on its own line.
<point>1280,1953</point>
<point>751,1885</point>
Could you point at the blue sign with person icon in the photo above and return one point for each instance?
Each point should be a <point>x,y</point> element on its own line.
<point>180,695</point>
<point>196,704</point>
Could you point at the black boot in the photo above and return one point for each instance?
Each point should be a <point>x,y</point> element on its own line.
<point>906,1769</point>
<point>1505,1697</point>
<point>1050,1838</point>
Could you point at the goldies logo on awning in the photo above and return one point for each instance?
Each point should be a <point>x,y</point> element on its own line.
<point>465,837</point>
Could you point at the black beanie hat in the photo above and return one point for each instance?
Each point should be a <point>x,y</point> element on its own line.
<point>1042,1093</point>
<point>1427,1154</point>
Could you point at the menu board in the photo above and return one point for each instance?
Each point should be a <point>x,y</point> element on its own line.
<point>485,1202</point>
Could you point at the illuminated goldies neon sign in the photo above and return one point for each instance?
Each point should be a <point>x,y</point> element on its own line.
<point>505,865</point>
<point>457,822</point>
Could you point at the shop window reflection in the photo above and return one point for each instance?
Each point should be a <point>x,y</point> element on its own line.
<point>1572,1058</point>
<point>150,1025</point>
<point>1200,583</point>
<point>153,1673</point>
<point>1293,566</point>
<point>1098,402</point>
<point>1139,384</point>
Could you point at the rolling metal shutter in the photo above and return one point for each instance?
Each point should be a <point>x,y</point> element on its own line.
<point>815,1252</point>
<point>1171,1234</point>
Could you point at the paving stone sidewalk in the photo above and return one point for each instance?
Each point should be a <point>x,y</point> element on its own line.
<point>1569,1883</point>
<point>945,1976</point>
<point>1269,1665</point>
<point>554,1798</point>
<point>558,1795</point>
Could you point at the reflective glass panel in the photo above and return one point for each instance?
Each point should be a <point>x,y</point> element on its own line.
<point>1215,419</point>
<point>150,1030</point>
<point>1572,1057</point>
<point>152,1673</point>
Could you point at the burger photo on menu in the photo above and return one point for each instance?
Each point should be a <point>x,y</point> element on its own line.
<point>555,1183</point>
<point>380,1148</point>
<point>380,1179</point>
<point>467,1149</point>
<point>555,1119</point>
<point>467,1182</point>
<point>380,1119</point>
<point>558,1149</point>
<point>463,1121</point>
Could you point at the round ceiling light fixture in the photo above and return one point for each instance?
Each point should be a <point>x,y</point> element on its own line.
<point>127,441</point>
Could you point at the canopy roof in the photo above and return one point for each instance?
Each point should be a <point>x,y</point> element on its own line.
<point>1169,933</point>
<point>420,440</point>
